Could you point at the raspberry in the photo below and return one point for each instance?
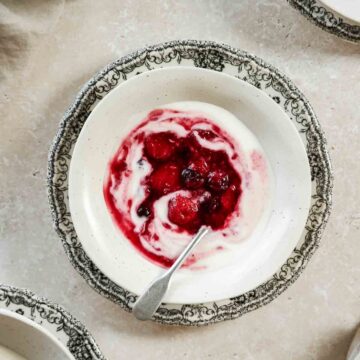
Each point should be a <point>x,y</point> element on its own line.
<point>191,179</point>
<point>160,146</point>
<point>189,147</point>
<point>183,210</point>
<point>165,179</point>
<point>200,165</point>
<point>218,180</point>
<point>220,158</point>
<point>228,198</point>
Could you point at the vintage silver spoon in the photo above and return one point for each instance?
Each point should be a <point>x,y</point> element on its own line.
<point>149,301</point>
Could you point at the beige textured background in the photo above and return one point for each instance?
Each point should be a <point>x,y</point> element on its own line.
<point>48,49</point>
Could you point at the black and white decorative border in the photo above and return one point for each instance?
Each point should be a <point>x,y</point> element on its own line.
<point>217,57</point>
<point>330,21</point>
<point>52,318</point>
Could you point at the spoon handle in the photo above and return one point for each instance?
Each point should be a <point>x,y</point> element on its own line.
<point>149,301</point>
<point>181,258</point>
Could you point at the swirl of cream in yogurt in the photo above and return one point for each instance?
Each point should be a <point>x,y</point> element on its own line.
<point>162,237</point>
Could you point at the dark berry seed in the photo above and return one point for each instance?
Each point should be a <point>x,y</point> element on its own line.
<point>191,179</point>
<point>143,211</point>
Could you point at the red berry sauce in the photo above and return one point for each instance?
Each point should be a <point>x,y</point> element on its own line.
<point>205,184</point>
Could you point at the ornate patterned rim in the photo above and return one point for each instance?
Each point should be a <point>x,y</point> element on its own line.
<point>54,319</point>
<point>330,21</point>
<point>217,57</point>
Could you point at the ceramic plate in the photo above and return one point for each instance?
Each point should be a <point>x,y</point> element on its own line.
<point>349,9</point>
<point>240,65</point>
<point>26,338</point>
<point>43,326</point>
<point>246,265</point>
<point>339,17</point>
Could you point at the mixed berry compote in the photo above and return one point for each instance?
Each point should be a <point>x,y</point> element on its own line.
<point>176,171</point>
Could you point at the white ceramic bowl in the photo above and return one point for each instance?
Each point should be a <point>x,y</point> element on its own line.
<point>257,258</point>
<point>28,339</point>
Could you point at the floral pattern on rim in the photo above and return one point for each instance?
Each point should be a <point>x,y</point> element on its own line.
<point>327,20</point>
<point>246,67</point>
<point>54,319</point>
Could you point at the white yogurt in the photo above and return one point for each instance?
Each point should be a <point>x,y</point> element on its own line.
<point>251,164</point>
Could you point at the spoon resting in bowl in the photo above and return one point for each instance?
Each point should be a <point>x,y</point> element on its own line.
<point>147,303</point>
